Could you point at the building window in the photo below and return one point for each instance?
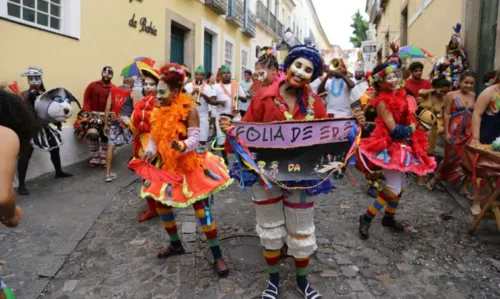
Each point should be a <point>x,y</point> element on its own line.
<point>244,62</point>
<point>228,54</point>
<point>60,16</point>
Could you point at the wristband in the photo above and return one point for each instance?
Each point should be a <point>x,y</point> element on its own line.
<point>182,144</point>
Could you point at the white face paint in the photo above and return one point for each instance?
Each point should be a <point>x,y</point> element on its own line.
<point>35,81</point>
<point>261,75</point>
<point>149,85</point>
<point>302,69</point>
<point>392,79</point>
<point>163,91</point>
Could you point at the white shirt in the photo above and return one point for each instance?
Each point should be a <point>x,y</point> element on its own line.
<point>222,96</point>
<point>340,106</point>
<point>203,108</point>
<point>358,90</point>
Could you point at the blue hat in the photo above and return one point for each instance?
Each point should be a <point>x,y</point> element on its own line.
<point>308,53</point>
<point>248,72</point>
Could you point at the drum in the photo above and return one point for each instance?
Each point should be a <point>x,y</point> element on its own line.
<point>90,125</point>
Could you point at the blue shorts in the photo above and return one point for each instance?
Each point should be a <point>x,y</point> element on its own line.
<point>118,135</point>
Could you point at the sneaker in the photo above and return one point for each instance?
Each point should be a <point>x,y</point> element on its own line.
<point>111,177</point>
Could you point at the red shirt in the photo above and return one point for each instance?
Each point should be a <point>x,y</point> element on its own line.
<point>416,86</point>
<point>262,108</point>
<point>96,95</point>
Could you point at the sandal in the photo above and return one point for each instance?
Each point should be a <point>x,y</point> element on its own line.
<point>221,268</point>
<point>271,292</point>
<point>310,293</point>
<point>170,251</point>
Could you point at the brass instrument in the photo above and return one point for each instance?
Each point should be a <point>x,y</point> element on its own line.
<point>335,64</point>
<point>199,92</point>
<point>236,106</point>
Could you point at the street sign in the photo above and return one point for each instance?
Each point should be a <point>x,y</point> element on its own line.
<point>369,47</point>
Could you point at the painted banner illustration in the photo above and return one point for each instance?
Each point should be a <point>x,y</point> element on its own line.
<point>297,150</point>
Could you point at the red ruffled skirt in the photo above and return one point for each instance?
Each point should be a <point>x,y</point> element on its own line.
<point>404,155</point>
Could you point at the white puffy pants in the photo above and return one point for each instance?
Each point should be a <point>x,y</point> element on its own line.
<point>284,217</point>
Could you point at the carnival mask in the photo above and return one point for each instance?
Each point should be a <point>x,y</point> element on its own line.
<point>107,74</point>
<point>261,75</point>
<point>300,72</point>
<point>55,105</point>
<point>392,80</point>
<point>35,80</point>
<point>149,85</point>
<point>162,91</point>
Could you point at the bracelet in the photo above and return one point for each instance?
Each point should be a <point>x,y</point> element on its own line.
<point>475,138</point>
<point>183,146</point>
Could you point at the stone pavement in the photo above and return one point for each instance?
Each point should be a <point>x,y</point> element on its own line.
<point>438,259</point>
<point>57,215</point>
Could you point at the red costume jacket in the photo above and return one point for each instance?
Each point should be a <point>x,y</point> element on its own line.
<point>96,95</point>
<point>262,108</point>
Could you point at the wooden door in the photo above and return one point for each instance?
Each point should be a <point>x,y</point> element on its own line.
<point>487,39</point>
<point>177,45</point>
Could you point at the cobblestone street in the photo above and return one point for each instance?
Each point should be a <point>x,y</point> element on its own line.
<point>117,257</point>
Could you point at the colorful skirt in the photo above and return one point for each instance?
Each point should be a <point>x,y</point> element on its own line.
<point>196,185</point>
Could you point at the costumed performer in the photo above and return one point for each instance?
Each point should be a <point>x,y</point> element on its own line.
<point>184,173</point>
<point>140,126</point>
<point>394,145</point>
<point>454,62</point>
<point>48,138</point>
<point>90,121</point>
<point>203,95</point>
<point>285,215</point>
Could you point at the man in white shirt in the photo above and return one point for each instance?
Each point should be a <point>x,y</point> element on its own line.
<point>338,85</point>
<point>227,91</point>
<point>204,95</point>
<point>360,83</point>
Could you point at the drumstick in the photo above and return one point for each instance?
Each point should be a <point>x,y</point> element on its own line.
<point>323,94</point>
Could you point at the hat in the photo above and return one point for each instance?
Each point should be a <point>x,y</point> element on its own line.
<point>200,70</point>
<point>248,72</point>
<point>32,72</point>
<point>150,71</point>
<point>308,53</point>
<point>225,69</point>
<point>425,117</point>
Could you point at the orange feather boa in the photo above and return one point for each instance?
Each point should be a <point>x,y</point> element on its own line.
<point>171,124</point>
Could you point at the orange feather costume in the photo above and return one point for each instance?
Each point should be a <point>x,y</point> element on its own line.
<point>202,173</point>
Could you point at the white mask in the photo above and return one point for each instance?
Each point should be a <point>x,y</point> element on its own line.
<point>262,75</point>
<point>392,79</point>
<point>302,68</point>
<point>35,80</point>
<point>149,85</point>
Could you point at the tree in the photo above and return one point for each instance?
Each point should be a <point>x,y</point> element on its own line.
<point>360,28</point>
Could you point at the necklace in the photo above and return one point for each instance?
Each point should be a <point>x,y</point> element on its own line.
<point>332,87</point>
<point>283,108</point>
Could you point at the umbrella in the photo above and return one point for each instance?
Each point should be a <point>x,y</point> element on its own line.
<point>413,52</point>
<point>134,67</point>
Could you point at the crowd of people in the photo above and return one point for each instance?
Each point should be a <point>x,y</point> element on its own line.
<point>171,117</point>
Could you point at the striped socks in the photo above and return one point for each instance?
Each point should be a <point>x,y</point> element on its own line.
<point>167,216</point>
<point>273,268</point>
<point>209,228</point>
<point>383,197</point>
<point>392,206</point>
<point>301,265</point>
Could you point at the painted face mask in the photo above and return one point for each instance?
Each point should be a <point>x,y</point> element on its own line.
<point>261,75</point>
<point>107,74</point>
<point>300,72</point>
<point>392,80</point>
<point>162,91</point>
<point>149,85</point>
<point>35,81</point>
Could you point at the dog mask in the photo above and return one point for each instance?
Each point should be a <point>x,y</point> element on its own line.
<point>54,105</point>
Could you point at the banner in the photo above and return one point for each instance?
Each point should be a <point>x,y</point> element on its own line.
<point>369,49</point>
<point>297,150</point>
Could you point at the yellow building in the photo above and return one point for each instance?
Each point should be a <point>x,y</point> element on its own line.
<point>428,24</point>
<point>73,39</point>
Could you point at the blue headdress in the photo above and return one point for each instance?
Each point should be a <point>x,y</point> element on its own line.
<point>308,53</point>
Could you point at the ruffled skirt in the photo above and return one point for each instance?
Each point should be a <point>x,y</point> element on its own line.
<point>196,185</point>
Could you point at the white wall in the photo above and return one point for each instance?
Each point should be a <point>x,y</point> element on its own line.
<point>72,151</point>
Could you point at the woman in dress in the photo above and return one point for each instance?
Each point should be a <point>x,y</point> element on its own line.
<point>457,116</point>
<point>394,145</point>
<point>182,174</point>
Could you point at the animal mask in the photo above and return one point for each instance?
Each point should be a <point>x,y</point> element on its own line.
<point>54,105</point>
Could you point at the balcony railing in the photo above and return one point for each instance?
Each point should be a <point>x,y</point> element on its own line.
<point>262,14</point>
<point>235,12</point>
<point>249,27</point>
<point>280,30</point>
<point>219,6</point>
<point>272,22</point>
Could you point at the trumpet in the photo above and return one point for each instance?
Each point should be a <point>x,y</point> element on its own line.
<point>199,93</point>
<point>334,64</point>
